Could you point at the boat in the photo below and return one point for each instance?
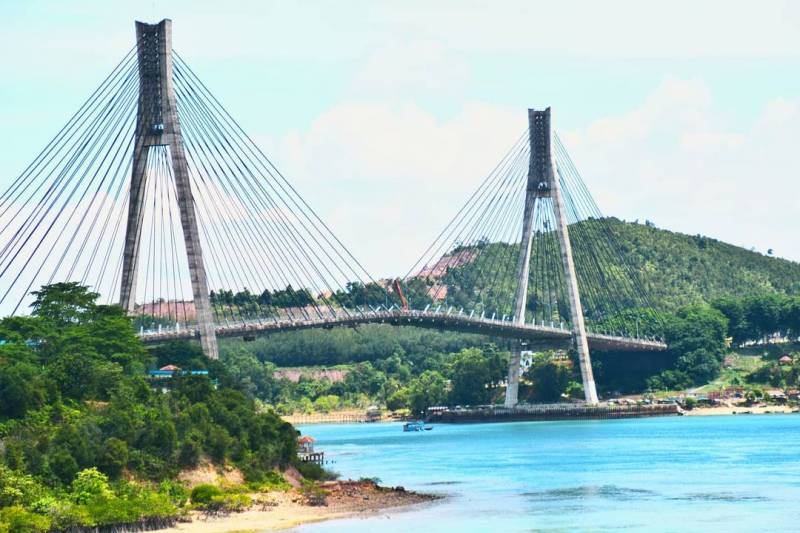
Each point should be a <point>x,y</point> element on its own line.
<point>417,425</point>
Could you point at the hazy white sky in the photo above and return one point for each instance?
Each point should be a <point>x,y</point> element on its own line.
<point>387,114</point>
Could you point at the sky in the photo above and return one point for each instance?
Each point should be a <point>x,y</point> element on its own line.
<point>386,115</point>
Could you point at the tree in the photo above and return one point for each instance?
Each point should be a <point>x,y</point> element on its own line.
<point>696,336</point>
<point>764,313</point>
<point>63,465</point>
<point>365,378</point>
<point>470,378</point>
<point>218,442</point>
<point>738,326</point>
<point>429,389</point>
<point>20,389</point>
<point>400,399</point>
<point>549,379</point>
<point>327,403</point>
<point>63,304</point>
<point>90,483</point>
<point>114,457</point>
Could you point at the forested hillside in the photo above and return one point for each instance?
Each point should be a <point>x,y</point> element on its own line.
<point>620,266</point>
<point>707,291</point>
<point>681,269</point>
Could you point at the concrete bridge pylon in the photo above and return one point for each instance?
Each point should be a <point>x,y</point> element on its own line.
<point>158,125</point>
<point>543,182</point>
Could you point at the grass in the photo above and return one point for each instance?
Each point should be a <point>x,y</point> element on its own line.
<point>735,374</point>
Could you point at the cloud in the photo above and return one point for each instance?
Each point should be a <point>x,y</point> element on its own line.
<point>675,159</point>
<point>397,68</point>
<point>387,177</point>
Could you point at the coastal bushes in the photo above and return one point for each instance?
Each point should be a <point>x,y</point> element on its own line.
<point>87,441</point>
<point>214,500</point>
<point>205,493</point>
<point>90,502</point>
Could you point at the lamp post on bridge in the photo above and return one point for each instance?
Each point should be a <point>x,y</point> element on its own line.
<point>543,182</point>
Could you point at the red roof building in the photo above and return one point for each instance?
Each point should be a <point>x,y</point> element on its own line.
<point>305,444</point>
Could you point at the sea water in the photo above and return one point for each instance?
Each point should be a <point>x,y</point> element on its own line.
<point>714,473</point>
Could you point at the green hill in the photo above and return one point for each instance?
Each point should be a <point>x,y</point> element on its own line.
<point>681,269</point>
<point>620,266</point>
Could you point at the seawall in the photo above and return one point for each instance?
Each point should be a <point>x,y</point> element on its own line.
<point>550,412</point>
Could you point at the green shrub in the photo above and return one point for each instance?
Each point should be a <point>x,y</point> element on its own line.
<point>205,494</point>
<point>235,503</point>
<point>313,494</point>
<point>175,491</point>
<point>18,520</point>
<point>65,515</point>
<point>327,403</point>
<point>269,481</point>
<point>315,472</point>
<point>90,483</point>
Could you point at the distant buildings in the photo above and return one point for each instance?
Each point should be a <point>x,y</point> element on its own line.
<point>180,311</point>
<point>439,268</point>
<point>295,374</point>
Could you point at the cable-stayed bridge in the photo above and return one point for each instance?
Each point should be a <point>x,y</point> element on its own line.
<point>155,197</point>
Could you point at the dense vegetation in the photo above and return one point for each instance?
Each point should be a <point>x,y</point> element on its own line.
<point>85,438</point>
<point>414,368</point>
<point>397,367</point>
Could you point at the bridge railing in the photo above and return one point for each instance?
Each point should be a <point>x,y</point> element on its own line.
<point>383,313</point>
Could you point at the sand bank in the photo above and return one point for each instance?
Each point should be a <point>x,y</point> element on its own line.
<point>739,410</point>
<point>345,499</point>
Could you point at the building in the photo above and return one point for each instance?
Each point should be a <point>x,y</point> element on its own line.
<point>439,269</point>
<point>306,452</point>
<point>180,311</point>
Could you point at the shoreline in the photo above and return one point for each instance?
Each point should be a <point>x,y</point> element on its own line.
<point>345,417</point>
<point>740,410</point>
<point>346,499</point>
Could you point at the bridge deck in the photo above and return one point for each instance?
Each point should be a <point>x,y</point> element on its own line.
<point>535,333</point>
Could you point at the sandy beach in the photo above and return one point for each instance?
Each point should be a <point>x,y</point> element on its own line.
<point>739,410</point>
<point>345,499</point>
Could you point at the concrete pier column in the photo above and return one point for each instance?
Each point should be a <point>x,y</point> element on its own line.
<point>512,383</point>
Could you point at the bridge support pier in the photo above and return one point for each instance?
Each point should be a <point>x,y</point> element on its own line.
<point>543,182</point>
<point>512,383</point>
<point>157,125</point>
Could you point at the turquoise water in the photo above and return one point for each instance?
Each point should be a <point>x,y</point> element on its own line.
<point>724,473</point>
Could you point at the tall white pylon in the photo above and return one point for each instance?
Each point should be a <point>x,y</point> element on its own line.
<point>543,183</point>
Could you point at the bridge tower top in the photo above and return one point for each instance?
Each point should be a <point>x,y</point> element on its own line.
<point>156,94</point>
